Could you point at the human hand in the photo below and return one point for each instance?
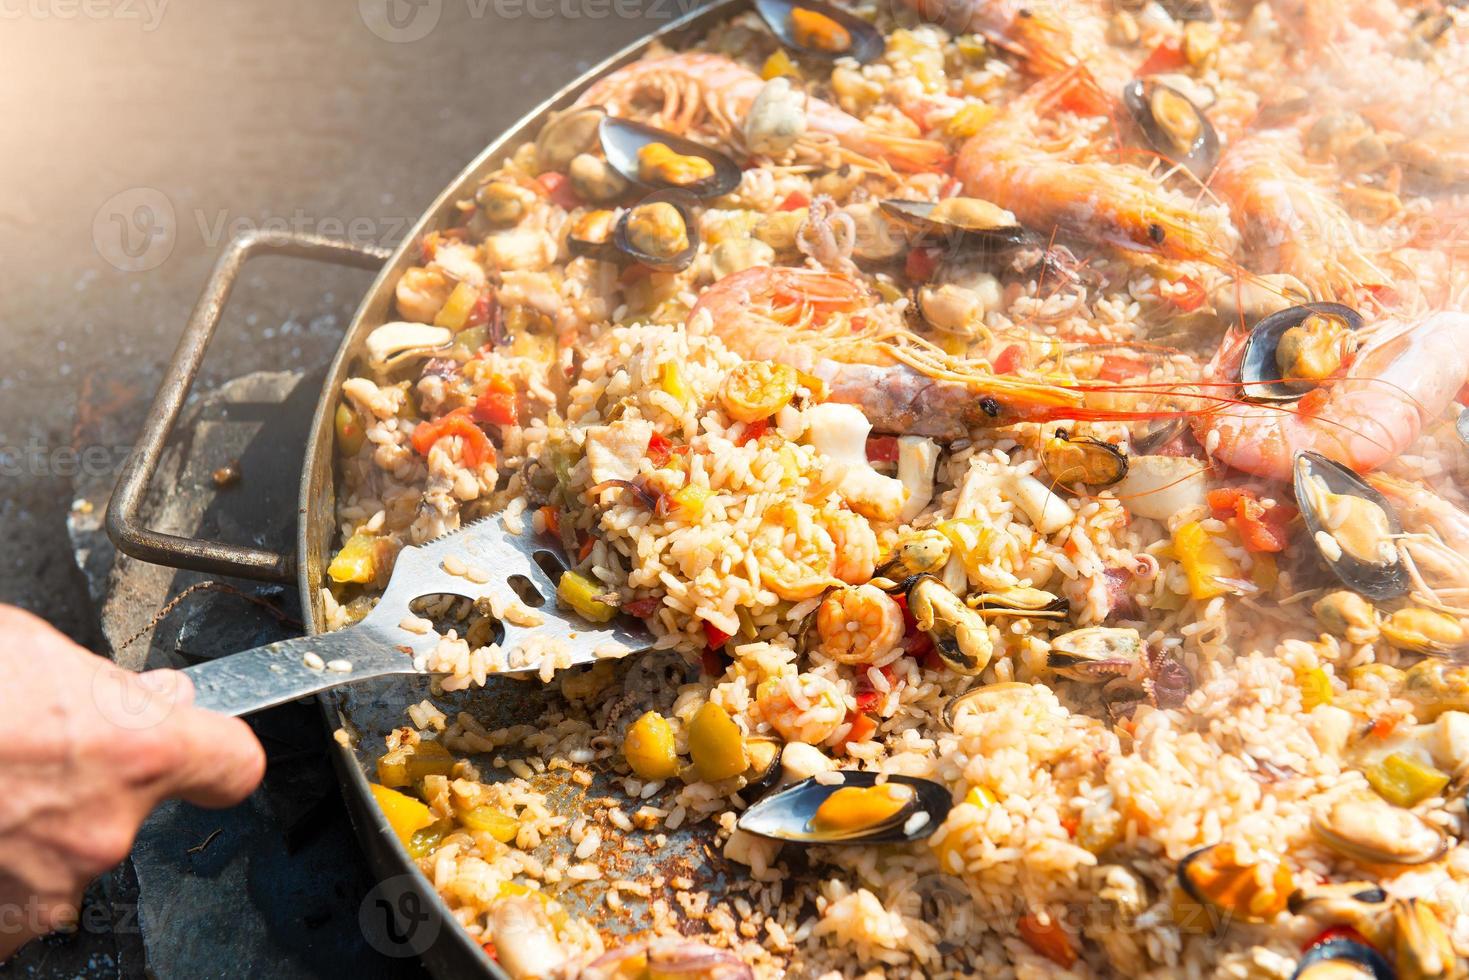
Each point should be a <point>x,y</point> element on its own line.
<point>87,751</point>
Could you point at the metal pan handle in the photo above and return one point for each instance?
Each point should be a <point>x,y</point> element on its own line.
<point>123,524</point>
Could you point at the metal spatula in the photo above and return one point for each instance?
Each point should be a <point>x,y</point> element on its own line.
<point>513,565</point>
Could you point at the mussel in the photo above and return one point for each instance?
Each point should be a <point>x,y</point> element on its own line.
<point>1342,959</point>
<point>1253,891</point>
<point>1095,654</point>
<point>1371,830</point>
<point>821,29</point>
<point>922,552</point>
<point>1427,631</point>
<point>568,134</point>
<point>1020,602</point>
<point>659,231</point>
<point>591,235</point>
<point>850,807</point>
<point>1175,128</point>
<point>1352,525</point>
<point>988,697</point>
<point>1291,352</point>
<point>1090,462</point>
<point>955,221</point>
<point>1421,946</point>
<point>399,341</point>
<point>960,635</point>
<point>651,158</point>
<point>764,770</point>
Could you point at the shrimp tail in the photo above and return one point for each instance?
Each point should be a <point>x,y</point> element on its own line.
<point>906,153</point>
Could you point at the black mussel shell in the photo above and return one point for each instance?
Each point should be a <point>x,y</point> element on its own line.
<point>684,205</point>
<point>764,755</point>
<point>940,231</point>
<point>787,815</point>
<point>1189,9</point>
<point>1199,153</point>
<point>1461,426</point>
<point>623,138</point>
<point>1317,961</point>
<point>1374,580</point>
<point>1259,374</point>
<point>864,44</point>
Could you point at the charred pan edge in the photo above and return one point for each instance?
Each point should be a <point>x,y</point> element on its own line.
<point>452,952</point>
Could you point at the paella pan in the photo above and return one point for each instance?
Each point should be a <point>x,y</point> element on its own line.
<point>1030,434</point>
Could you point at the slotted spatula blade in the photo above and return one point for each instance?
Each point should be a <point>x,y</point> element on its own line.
<point>478,561</point>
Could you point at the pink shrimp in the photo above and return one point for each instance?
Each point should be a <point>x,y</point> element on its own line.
<point>781,314</point>
<point>1405,377</point>
<point>1119,203</point>
<point>1291,221</point>
<point>694,80</point>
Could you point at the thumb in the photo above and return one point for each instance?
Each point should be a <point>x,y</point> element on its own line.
<point>222,763</point>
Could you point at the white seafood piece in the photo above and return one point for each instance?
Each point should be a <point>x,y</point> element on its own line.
<point>457,260</point>
<point>525,940</point>
<point>520,248</point>
<point>1047,511</point>
<point>1157,487</point>
<point>371,401</point>
<point>537,290</point>
<point>616,451</point>
<point>777,118</point>
<point>393,343</point>
<point>839,432</point>
<point>917,457</point>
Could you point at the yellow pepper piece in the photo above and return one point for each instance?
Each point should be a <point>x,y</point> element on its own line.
<point>456,309</point>
<point>408,765</point>
<point>1315,687</point>
<point>1264,573</point>
<point>1404,781</point>
<point>405,815</point>
<point>486,819</point>
<point>716,744</point>
<point>423,842</point>
<point>1204,561</point>
<point>350,436</point>
<point>779,63</point>
<point>671,381</point>
<point>690,501</point>
<point>980,797</point>
<point>968,121</point>
<point>649,747</point>
<point>579,593</point>
<point>356,563</point>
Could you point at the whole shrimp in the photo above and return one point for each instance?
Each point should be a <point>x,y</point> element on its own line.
<point>776,314</point>
<point>695,81</point>
<point>1290,220</point>
<point>1116,202</point>
<point>1406,376</point>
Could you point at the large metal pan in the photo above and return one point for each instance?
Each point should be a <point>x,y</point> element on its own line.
<point>404,916</point>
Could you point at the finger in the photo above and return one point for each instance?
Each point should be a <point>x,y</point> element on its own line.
<point>222,763</point>
<point>174,686</point>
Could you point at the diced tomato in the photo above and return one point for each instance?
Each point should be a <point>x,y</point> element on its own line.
<point>794,201</point>
<point>1463,396</point>
<point>428,247</point>
<point>585,551</point>
<point>477,449</point>
<point>715,636</point>
<point>1261,528</point>
<point>1190,298</point>
<point>867,700</point>
<point>1071,825</point>
<point>491,951</point>
<point>479,314</point>
<point>754,430</point>
<point>1382,727</point>
<point>642,608</point>
<point>711,661</point>
<point>863,727</point>
<point>882,449</point>
<point>1048,939</point>
<point>659,449</point>
<point>552,517</point>
<point>1009,359</point>
<point>558,188</point>
<point>497,405</point>
<point>1167,56</point>
<point>921,262</point>
<point>1334,932</point>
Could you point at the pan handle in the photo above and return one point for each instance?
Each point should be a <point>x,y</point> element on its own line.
<point>124,526</point>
